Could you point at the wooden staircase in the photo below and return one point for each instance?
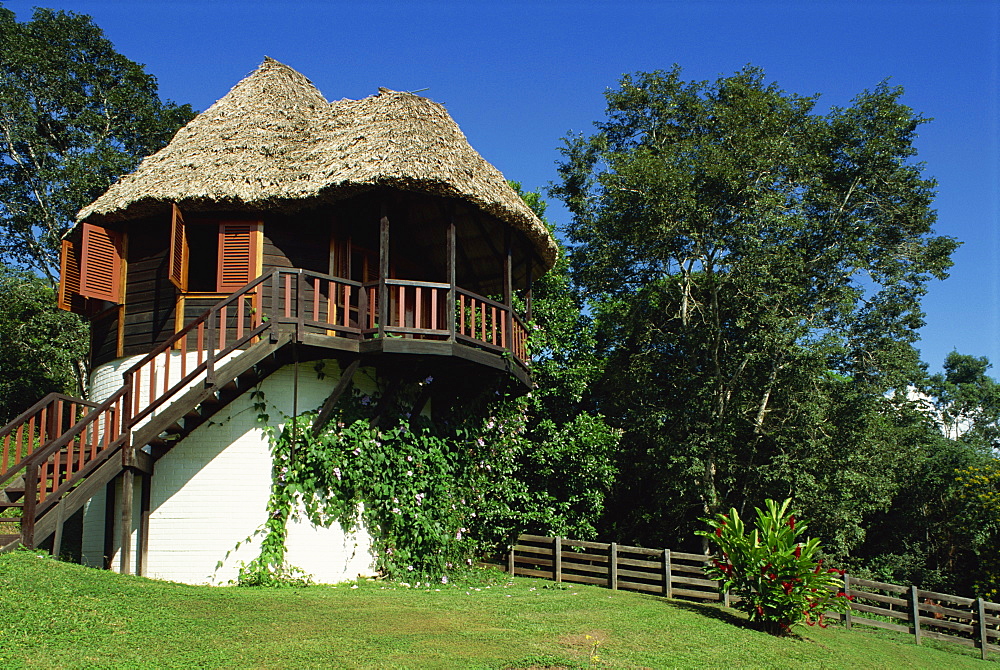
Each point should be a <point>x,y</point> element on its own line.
<point>60,452</point>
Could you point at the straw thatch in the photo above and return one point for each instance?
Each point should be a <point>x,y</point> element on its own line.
<point>274,141</point>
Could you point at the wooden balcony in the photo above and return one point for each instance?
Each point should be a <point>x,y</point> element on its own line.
<point>390,316</point>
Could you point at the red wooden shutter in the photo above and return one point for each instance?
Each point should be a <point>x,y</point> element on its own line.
<point>237,254</point>
<point>179,256</point>
<point>101,263</point>
<point>69,297</point>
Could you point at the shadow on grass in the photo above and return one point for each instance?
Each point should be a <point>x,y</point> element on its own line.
<point>714,612</point>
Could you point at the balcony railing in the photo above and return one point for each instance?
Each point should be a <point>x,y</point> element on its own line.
<point>400,308</point>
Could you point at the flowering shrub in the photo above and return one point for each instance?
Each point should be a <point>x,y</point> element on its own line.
<point>778,578</point>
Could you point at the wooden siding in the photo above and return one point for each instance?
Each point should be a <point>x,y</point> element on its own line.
<point>150,297</point>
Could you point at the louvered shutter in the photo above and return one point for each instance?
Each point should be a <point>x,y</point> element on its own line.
<point>101,263</point>
<point>69,297</point>
<point>238,254</point>
<point>179,255</point>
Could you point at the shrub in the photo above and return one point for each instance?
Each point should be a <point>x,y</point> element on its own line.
<point>778,578</point>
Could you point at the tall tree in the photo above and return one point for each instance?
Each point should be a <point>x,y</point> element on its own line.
<point>757,268</point>
<point>74,116</point>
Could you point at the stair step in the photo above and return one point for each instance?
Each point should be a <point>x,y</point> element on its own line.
<point>10,505</point>
<point>11,519</point>
<point>175,428</point>
<point>7,539</point>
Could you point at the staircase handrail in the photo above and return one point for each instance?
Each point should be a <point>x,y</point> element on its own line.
<point>26,416</point>
<point>124,420</point>
<point>211,354</point>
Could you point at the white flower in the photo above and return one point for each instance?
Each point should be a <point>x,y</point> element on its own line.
<point>410,568</point>
<point>444,579</point>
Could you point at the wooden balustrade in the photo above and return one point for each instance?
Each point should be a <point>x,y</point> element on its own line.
<point>43,421</point>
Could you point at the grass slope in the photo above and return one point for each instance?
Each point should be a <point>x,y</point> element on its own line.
<point>57,615</point>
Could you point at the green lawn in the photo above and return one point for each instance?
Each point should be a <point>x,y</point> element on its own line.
<point>57,615</point>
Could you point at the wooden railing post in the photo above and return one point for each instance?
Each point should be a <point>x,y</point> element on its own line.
<point>613,566</point>
<point>847,590</point>
<point>300,306</point>
<point>383,272</point>
<point>981,635</point>
<point>209,350</point>
<point>28,511</point>
<point>510,557</point>
<point>557,557</point>
<point>915,613</point>
<point>450,316</point>
<point>668,590</point>
<point>275,304</point>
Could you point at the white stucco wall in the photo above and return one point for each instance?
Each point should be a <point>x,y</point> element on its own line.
<point>210,492</point>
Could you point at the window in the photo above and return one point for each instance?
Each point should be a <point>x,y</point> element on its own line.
<point>212,256</point>
<point>91,268</point>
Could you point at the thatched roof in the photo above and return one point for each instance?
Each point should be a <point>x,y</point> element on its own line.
<point>274,140</point>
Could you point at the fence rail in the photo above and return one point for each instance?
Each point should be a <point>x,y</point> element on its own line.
<point>674,574</point>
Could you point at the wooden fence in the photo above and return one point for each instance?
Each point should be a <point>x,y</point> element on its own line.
<point>674,574</point>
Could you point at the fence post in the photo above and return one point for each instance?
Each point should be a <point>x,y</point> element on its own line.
<point>981,628</point>
<point>613,566</point>
<point>915,613</point>
<point>847,590</point>
<point>510,557</point>
<point>557,557</point>
<point>668,590</point>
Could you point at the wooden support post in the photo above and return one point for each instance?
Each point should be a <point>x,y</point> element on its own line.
<point>57,539</point>
<point>331,401</point>
<point>613,566</point>
<point>110,506</point>
<point>510,557</point>
<point>915,613</point>
<point>847,590</point>
<point>144,510</point>
<point>125,566</point>
<point>450,316</point>
<point>508,292</point>
<point>383,271</point>
<point>557,556</point>
<point>668,587</point>
<point>725,598</point>
<point>983,639</point>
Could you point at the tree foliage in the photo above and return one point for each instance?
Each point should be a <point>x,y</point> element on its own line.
<point>40,346</point>
<point>942,530</point>
<point>756,269</point>
<point>74,116</point>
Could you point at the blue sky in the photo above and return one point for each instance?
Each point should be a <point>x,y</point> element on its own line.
<point>517,76</point>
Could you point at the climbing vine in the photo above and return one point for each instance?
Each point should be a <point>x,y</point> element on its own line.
<point>431,495</point>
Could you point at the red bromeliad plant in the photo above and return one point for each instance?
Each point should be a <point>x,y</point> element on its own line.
<point>776,576</point>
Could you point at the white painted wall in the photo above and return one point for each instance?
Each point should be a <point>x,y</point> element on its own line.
<point>210,492</point>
